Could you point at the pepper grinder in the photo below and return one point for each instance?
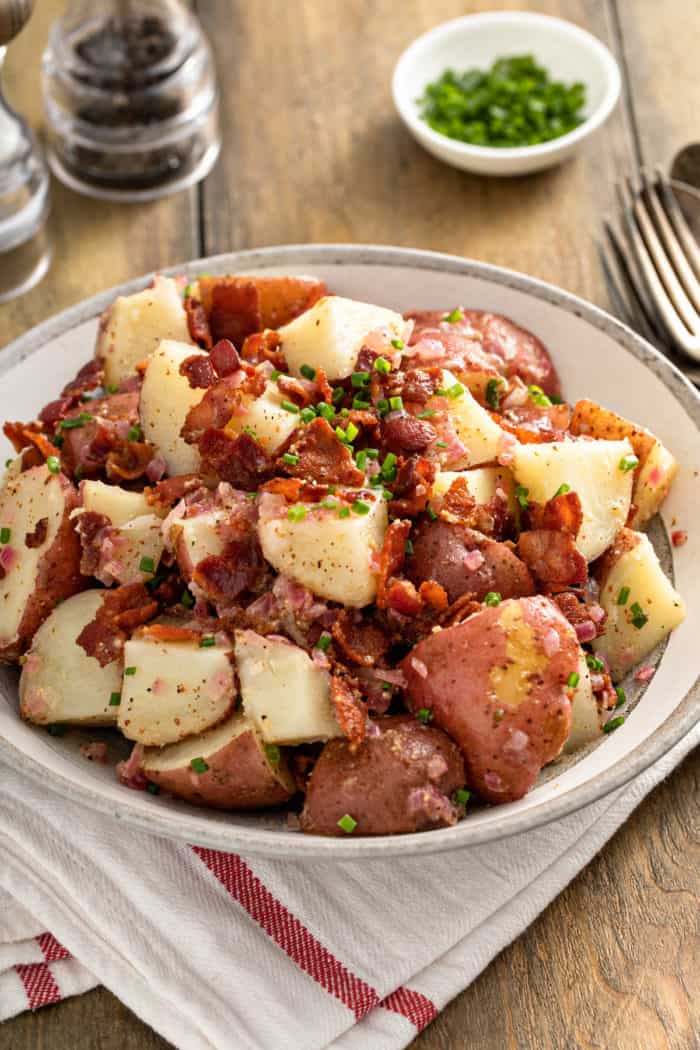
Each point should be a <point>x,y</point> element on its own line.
<point>25,251</point>
<point>130,97</point>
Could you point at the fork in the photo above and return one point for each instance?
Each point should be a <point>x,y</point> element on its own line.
<point>652,269</point>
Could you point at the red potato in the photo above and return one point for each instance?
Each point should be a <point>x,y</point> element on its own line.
<point>399,780</point>
<point>464,561</point>
<point>40,561</point>
<point>239,306</point>
<point>496,683</point>
<point>242,772</point>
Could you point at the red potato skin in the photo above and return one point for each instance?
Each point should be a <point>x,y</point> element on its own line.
<point>505,739</point>
<point>439,549</point>
<point>239,777</point>
<point>58,577</point>
<point>399,780</point>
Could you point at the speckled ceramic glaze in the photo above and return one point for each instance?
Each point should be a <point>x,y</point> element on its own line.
<point>596,357</point>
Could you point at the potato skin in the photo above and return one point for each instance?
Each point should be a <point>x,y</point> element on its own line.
<point>399,780</point>
<point>239,777</point>
<point>439,550</point>
<point>491,685</point>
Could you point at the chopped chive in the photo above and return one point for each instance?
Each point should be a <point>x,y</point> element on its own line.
<point>395,404</point>
<point>351,432</point>
<point>325,641</point>
<point>307,414</point>
<point>360,507</point>
<point>493,598</point>
<point>340,434</point>
<point>5,534</point>
<point>409,547</point>
<point>343,512</point>
<point>613,723</point>
<point>538,395</point>
<point>56,729</point>
<point>376,481</point>
<point>453,317</point>
<point>250,432</point>
<point>347,824</point>
<point>291,458</point>
<point>440,444</point>
<point>345,412</point>
<point>54,464</point>
<point>521,494</point>
<point>431,514</point>
<point>187,599</point>
<point>134,433</point>
<point>493,397</point>
<point>275,374</point>
<point>455,391</point>
<point>250,496</point>
<point>381,364</point>
<point>562,490</point>
<point>153,789</point>
<point>639,617</point>
<point>595,664</point>
<point>208,642</point>
<point>57,441</point>
<point>360,404</point>
<point>77,421</point>
<point>388,471</point>
<point>461,797</point>
<point>115,699</point>
<point>289,406</point>
<point>382,406</point>
<point>622,596</point>
<point>199,765</point>
<point>359,379</point>
<point>387,495</point>
<point>628,463</point>
<point>332,489</point>
<point>329,504</point>
<point>387,687</point>
<point>147,564</point>
<point>338,395</point>
<point>440,392</point>
<point>188,291</point>
<point>308,372</point>
<point>621,696</point>
<point>112,388</point>
<point>361,459</point>
<point>426,414</point>
<point>372,453</point>
<point>129,670</point>
<point>325,410</point>
<point>8,462</point>
<point>273,754</point>
<point>397,344</point>
<point>296,513</point>
<point>573,680</point>
<point>424,715</point>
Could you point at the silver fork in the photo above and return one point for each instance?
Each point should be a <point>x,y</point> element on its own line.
<point>652,268</point>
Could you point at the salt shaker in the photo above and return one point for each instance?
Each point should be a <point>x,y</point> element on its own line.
<point>130,98</point>
<point>25,249</point>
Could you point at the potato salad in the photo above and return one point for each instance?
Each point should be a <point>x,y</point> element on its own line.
<point>306,551</point>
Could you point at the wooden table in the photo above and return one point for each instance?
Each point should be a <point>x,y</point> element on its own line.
<point>314,152</point>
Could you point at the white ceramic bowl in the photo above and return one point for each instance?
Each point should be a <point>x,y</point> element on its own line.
<point>566,51</point>
<point>596,357</point>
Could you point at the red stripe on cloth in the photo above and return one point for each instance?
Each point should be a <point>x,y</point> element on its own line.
<point>52,949</point>
<point>288,932</point>
<point>39,984</point>
<point>414,1006</point>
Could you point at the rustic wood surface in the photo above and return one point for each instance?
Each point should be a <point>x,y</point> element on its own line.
<point>314,152</point>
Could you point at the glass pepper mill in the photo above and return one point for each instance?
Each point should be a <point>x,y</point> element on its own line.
<point>130,98</point>
<point>25,251</point>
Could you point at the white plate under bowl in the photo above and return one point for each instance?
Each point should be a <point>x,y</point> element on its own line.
<point>596,357</point>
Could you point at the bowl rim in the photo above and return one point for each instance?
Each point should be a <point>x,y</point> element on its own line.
<point>422,129</point>
<point>294,846</point>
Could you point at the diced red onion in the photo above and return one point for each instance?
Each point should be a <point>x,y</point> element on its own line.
<point>586,631</point>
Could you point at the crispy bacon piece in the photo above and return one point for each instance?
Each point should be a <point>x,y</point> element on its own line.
<point>122,610</point>
<point>215,409</point>
<point>433,594</point>
<point>350,709</point>
<point>241,460</point>
<point>323,458</point>
<point>234,312</point>
<point>38,535</point>
<point>552,556</point>
<point>198,323</point>
<point>412,487</point>
<point>277,299</point>
<point>89,525</point>
<point>391,557</point>
<point>199,371</point>
<point>169,491</point>
<point>166,632</point>
<point>458,504</point>
<point>532,424</point>
<point>224,577</point>
<point>129,460</point>
<point>296,391</point>
<point>264,346</point>
<point>403,598</point>
<point>578,612</point>
<point>563,513</point>
<point>405,433</point>
<point>419,384</point>
<point>89,377</point>
<point>459,610</point>
<point>224,358</point>
<point>324,387</point>
<point>23,434</point>
<point>361,641</point>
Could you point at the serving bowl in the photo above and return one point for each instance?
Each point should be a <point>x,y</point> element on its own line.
<point>596,357</point>
<point>566,51</point>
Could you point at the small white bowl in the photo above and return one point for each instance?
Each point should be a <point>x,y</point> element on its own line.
<point>567,52</point>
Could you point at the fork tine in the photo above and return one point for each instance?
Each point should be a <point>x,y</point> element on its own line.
<point>676,330</point>
<point>683,231</point>
<point>664,268</point>
<point>673,247</point>
<point>628,289</point>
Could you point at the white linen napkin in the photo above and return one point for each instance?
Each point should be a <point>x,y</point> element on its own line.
<point>213,950</point>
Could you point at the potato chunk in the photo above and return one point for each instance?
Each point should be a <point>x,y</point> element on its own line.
<point>166,398</point>
<point>284,693</point>
<point>642,605</point>
<point>133,326</point>
<point>331,555</point>
<point>270,424</point>
<point>591,469</point>
<point>173,689</point>
<point>585,719</point>
<point>657,467</point>
<point>60,682</point>
<point>478,432</point>
<point>330,334</point>
<point>117,504</point>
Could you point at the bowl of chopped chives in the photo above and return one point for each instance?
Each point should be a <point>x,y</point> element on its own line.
<point>505,93</point>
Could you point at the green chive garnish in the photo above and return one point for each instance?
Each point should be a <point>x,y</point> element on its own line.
<point>493,598</point>
<point>397,345</point>
<point>77,421</point>
<point>431,514</point>
<point>5,534</point>
<point>613,724</point>
<point>639,617</point>
<point>187,599</point>
<point>461,797</point>
<point>134,433</point>
<point>199,765</point>
<point>453,317</point>
<point>622,596</point>
<point>361,459</point>
<point>382,406</point>
<point>395,404</point>
<point>289,406</point>
<point>573,680</point>
<point>360,507</point>
<point>338,395</point>
<point>538,395</point>
<point>307,414</point>
<point>343,512</point>
<point>426,414</point>
<point>324,642</point>
<point>112,388</point>
<point>424,715</point>
<point>521,494</point>
<point>308,372</point>
<point>115,699</point>
<point>455,391</point>
<point>621,696</point>
<point>54,465</point>
<point>290,458</point>
<point>328,504</point>
<point>325,410</point>
<point>381,364</point>
<point>147,564</point>
<point>296,513</point>
<point>273,754</point>
<point>208,642</point>
<point>351,432</point>
<point>359,379</point>
<point>130,670</point>
<point>628,463</point>
<point>440,444</point>
<point>275,374</point>
<point>595,664</point>
<point>359,403</point>
<point>388,471</point>
<point>409,547</point>
<point>493,397</point>
<point>347,824</point>
<point>562,490</point>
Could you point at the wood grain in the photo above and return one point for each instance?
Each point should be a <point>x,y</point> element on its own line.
<point>313,151</point>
